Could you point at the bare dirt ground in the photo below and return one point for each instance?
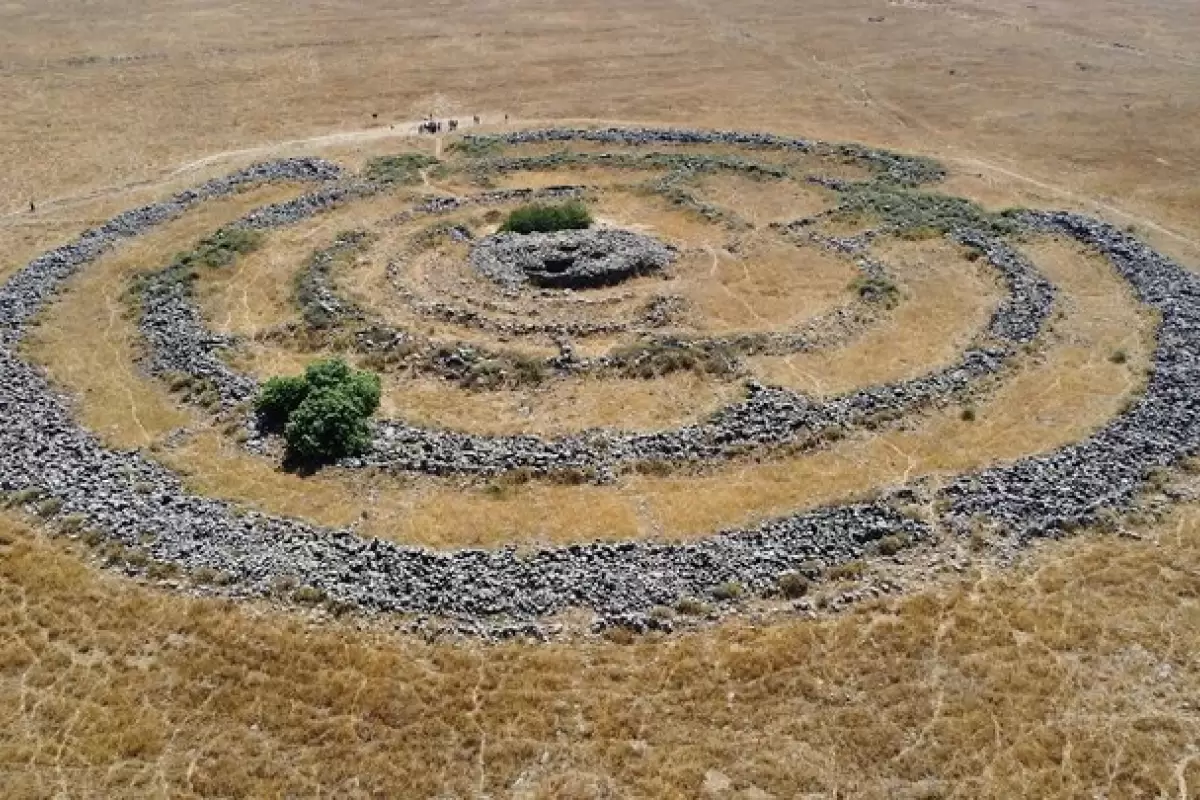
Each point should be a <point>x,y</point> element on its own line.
<point>1074,674</point>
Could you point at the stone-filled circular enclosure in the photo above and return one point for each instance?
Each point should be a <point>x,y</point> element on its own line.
<point>766,417</point>
<point>572,259</point>
<point>131,498</point>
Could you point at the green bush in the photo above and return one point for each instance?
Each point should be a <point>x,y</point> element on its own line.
<point>323,414</point>
<point>730,590</point>
<point>336,375</point>
<point>328,425</point>
<point>659,357</point>
<point>365,388</point>
<point>920,214</point>
<point>49,507</point>
<point>793,585</point>
<point>691,607</point>
<point>847,571</point>
<point>540,218</point>
<point>893,543</point>
<point>881,291</point>
<point>329,373</point>
<point>475,146</point>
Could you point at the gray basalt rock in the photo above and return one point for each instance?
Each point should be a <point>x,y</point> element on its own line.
<point>574,259</point>
<point>767,417</point>
<point>903,169</point>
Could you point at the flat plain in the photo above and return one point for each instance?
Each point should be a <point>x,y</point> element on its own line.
<point>1070,669</point>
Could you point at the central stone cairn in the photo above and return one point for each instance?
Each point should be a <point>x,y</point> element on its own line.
<point>573,259</point>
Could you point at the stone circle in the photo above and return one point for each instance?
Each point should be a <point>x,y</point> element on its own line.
<point>133,500</point>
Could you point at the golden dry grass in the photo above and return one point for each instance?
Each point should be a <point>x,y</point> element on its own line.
<point>585,175</point>
<point>1075,676</point>
<point>27,235</point>
<point>761,202</point>
<point>29,239</point>
<point>561,407</point>
<point>556,408</point>
<point>766,285</point>
<point>1060,397</point>
<point>256,292</point>
<point>998,82</point>
<point>946,300</point>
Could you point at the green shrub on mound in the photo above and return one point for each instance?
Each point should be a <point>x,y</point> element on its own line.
<point>323,413</point>
<point>541,218</point>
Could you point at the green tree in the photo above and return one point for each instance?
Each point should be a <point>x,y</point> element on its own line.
<point>329,373</point>
<point>334,373</point>
<point>366,389</point>
<point>324,413</point>
<point>328,425</point>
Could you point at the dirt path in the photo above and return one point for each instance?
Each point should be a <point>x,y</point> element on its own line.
<point>430,184</point>
<point>1066,194</point>
<point>398,130</point>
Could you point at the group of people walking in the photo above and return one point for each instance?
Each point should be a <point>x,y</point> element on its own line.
<point>432,125</point>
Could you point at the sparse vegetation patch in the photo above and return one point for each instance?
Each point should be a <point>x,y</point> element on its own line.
<point>400,170</point>
<point>915,213</point>
<point>221,248</point>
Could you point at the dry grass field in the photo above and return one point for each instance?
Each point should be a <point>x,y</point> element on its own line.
<point>1071,673</point>
<point>1073,676</point>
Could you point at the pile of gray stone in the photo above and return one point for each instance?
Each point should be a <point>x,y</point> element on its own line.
<point>572,259</point>
<point>178,343</point>
<point>177,340</point>
<point>1076,484</point>
<point>485,316</point>
<point>28,290</point>
<point>44,454</point>
<point>470,307</point>
<point>899,168</point>
<point>837,326</point>
<point>321,306</point>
